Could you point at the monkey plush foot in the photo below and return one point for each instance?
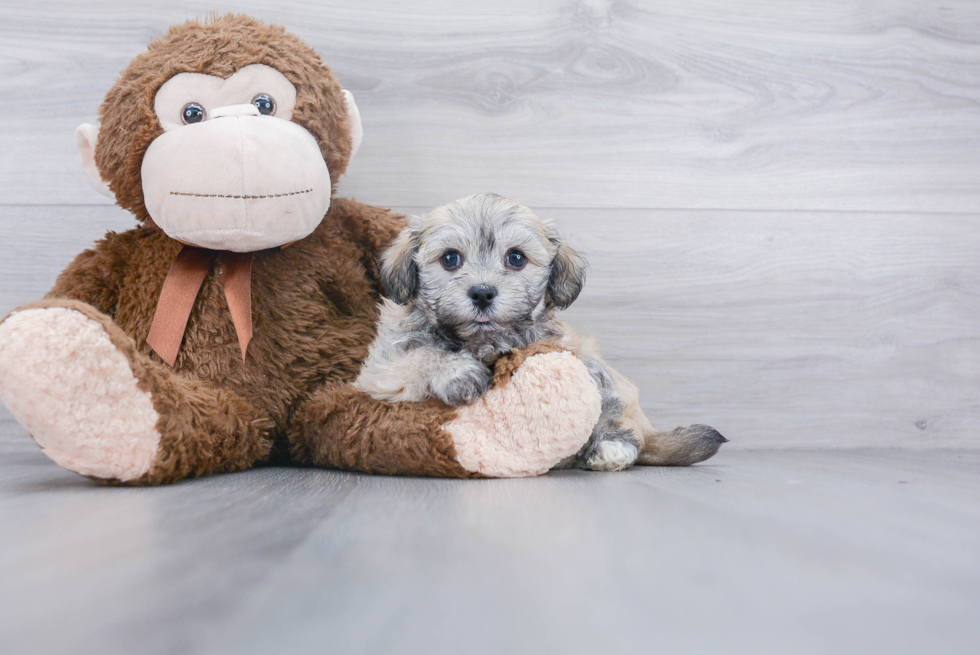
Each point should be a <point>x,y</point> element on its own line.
<point>99,407</point>
<point>540,410</point>
<point>65,381</point>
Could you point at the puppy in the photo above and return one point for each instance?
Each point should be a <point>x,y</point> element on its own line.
<point>477,278</point>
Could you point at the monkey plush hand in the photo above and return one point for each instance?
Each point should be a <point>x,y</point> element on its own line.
<point>225,328</point>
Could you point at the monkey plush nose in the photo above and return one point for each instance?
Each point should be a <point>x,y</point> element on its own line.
<point>235,110</point>
<point>482,295</point>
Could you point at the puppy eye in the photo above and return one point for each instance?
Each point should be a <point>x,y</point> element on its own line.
<point>265,103</point>
<point>516,259</point>
<point>192,112</point>
<point>451,260</point>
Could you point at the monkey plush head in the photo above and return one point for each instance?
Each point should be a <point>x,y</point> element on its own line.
<point>228,134</point>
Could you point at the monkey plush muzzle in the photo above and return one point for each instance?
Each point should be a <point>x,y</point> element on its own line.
<point>237,181</point>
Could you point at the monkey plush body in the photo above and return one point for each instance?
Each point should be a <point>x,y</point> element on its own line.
<point>224,330</point>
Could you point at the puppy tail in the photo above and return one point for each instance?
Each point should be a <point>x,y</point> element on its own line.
<point>679,447</point>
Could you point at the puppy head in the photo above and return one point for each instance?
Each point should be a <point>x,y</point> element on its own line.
<point>482,263</point>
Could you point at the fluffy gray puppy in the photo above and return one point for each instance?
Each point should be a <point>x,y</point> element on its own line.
<point>477,278</point>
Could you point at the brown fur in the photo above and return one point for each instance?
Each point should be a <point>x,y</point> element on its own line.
<point>342,427</point>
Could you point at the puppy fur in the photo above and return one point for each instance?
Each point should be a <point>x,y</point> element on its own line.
<point>460,298</point>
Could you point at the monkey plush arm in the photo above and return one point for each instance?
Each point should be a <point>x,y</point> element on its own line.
<point>342,427</point>
<point>540,409</point>
<point>372,228</point>
<point>93,277</point>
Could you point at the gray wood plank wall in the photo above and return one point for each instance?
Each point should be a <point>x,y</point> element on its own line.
<point>780,200</point>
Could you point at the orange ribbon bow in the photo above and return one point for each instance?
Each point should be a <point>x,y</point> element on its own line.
<point>180,290</point>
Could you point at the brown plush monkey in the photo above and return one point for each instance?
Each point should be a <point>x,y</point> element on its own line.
<point>224,330</point>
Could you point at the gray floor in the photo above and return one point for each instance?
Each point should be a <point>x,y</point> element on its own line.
<point>867,551</point>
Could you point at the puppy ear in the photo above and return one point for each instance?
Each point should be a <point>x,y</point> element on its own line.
<point>399,273</point>
<point>567,276</point>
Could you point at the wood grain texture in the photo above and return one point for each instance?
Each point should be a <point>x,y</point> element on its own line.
<point>757,553</point>
<point>781,330</point>
<point>838,105</point>
<point>791,329</point>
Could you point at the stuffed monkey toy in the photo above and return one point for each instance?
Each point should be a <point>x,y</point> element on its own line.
<point>224,329</point>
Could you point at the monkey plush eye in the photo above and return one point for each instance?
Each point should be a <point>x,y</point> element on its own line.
<point>192,113</point>
<point>451,260</point>
<point>516,259</point>
<point>265,103</point>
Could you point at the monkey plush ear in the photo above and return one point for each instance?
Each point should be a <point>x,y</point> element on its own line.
<point>567,276</point>
<point>86,136</point>
<point>399,272</point>
<point>356,129</point>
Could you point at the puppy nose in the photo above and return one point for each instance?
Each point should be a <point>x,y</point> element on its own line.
<point>482,295</point>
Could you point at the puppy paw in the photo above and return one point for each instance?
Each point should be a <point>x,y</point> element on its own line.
<point>462,382</point>
<point>612,456</point>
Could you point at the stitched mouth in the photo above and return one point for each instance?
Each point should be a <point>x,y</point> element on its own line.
<point>241,197</point>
